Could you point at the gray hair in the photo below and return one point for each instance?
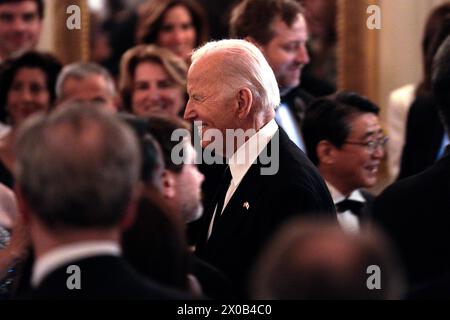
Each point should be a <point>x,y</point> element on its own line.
<point>77,167</point>
<point>80,71</point>
<point>244,65</point>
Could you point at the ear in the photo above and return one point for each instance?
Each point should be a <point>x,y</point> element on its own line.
<point>244,99</point>
<point>23,209</point>
<point>168,181</point>
<point>325,152</point>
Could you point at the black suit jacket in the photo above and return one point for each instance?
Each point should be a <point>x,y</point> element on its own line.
<point>424,133</point>
<point>415,213</point>
<point>102,277</point>
<point>296,189</point>
<point>298,101</point>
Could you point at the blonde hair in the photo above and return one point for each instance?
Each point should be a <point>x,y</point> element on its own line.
<point>175,67</point>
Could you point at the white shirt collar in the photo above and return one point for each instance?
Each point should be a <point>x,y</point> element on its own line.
<point>241,161</point>
<point>338,196</point>
<point>64,254</point>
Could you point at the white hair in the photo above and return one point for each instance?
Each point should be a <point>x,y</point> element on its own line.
<point>244,65</point>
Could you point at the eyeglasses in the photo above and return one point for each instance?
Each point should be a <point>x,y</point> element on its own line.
<point>372,145</point>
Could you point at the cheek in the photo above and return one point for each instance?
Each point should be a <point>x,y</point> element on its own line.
<point>44,100</point>
<point>165,39</point>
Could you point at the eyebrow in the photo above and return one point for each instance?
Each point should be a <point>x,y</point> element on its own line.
<point>372,133</point>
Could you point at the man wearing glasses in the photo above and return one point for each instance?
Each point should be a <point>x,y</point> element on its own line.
<point>344,139</point>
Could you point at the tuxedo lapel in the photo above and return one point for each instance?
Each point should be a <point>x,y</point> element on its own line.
<point>239,207</point>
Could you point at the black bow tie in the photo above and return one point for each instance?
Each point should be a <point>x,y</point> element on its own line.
<point>352,205</point>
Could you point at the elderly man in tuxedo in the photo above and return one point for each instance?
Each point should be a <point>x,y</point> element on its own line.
<point>345,140</point>
<point>233,95</point>
<point>77,171</point>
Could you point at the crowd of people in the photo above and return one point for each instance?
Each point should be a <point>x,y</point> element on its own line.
<point>187,166</point>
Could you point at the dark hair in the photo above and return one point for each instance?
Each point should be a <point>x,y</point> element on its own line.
<point>254,18</point>
<point>441,81</point>
<point>328,119</point>
<point>46,62</point>
<point>40,5</point>
<point>430,44</point>
<point>155,245</point>
<point>150,22</point>
<point>161,128</point>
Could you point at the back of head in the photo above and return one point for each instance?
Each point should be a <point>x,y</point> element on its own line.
<point>441,80</point>
<point>254,18</point>
<point>328,119</point>
<point>318,260</point>
<point>77,168</point>
<point>155,244</point>
<point>241,64</point>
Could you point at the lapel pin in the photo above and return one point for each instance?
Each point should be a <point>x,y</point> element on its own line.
<point>246,205</point>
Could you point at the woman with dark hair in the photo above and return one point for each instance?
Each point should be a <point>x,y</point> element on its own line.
<point>178,25</point>
<point>27,86</point>
<point>425,137</point>
<point>401,99</point>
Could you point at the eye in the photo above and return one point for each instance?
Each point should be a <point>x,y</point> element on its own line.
<point>163,84</point>
<point>36,88</point>
<point>186,26</point>
<point>141,86</point>
<point>6,17</point>
<point>29,17</point>
<point>167,28</point>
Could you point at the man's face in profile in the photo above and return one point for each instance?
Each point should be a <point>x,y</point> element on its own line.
<point>20,27</point>
<point>286,52</point>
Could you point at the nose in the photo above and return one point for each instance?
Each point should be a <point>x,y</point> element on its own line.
<point>19,24</point>
<point>178,36</point>
<point>27,96</point>
<point>379,152</point>
<point>153,93</point>
<point>302,55</point>
<point>201,177</point>
<point>189,112</point>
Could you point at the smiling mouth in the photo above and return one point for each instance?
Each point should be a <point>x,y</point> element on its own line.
<point>372,168</point>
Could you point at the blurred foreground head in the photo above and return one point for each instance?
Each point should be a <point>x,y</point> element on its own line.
<point>317,260</point>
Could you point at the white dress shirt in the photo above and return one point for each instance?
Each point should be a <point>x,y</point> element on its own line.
<point>287,121</point>
<point>64,254</point>
<point>347,219</point>
<point>241,161</point>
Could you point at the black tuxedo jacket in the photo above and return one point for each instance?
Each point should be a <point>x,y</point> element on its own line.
<point>298,101</point>
<point>258,206</point>
<point>415,213</point>
<point>366,211</point>
<point>102,277</point>
<point>424,133</point>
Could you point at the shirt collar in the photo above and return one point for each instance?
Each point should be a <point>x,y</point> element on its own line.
<point>64,254</point>
<point>241,161</point>
<point>338,196</point>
